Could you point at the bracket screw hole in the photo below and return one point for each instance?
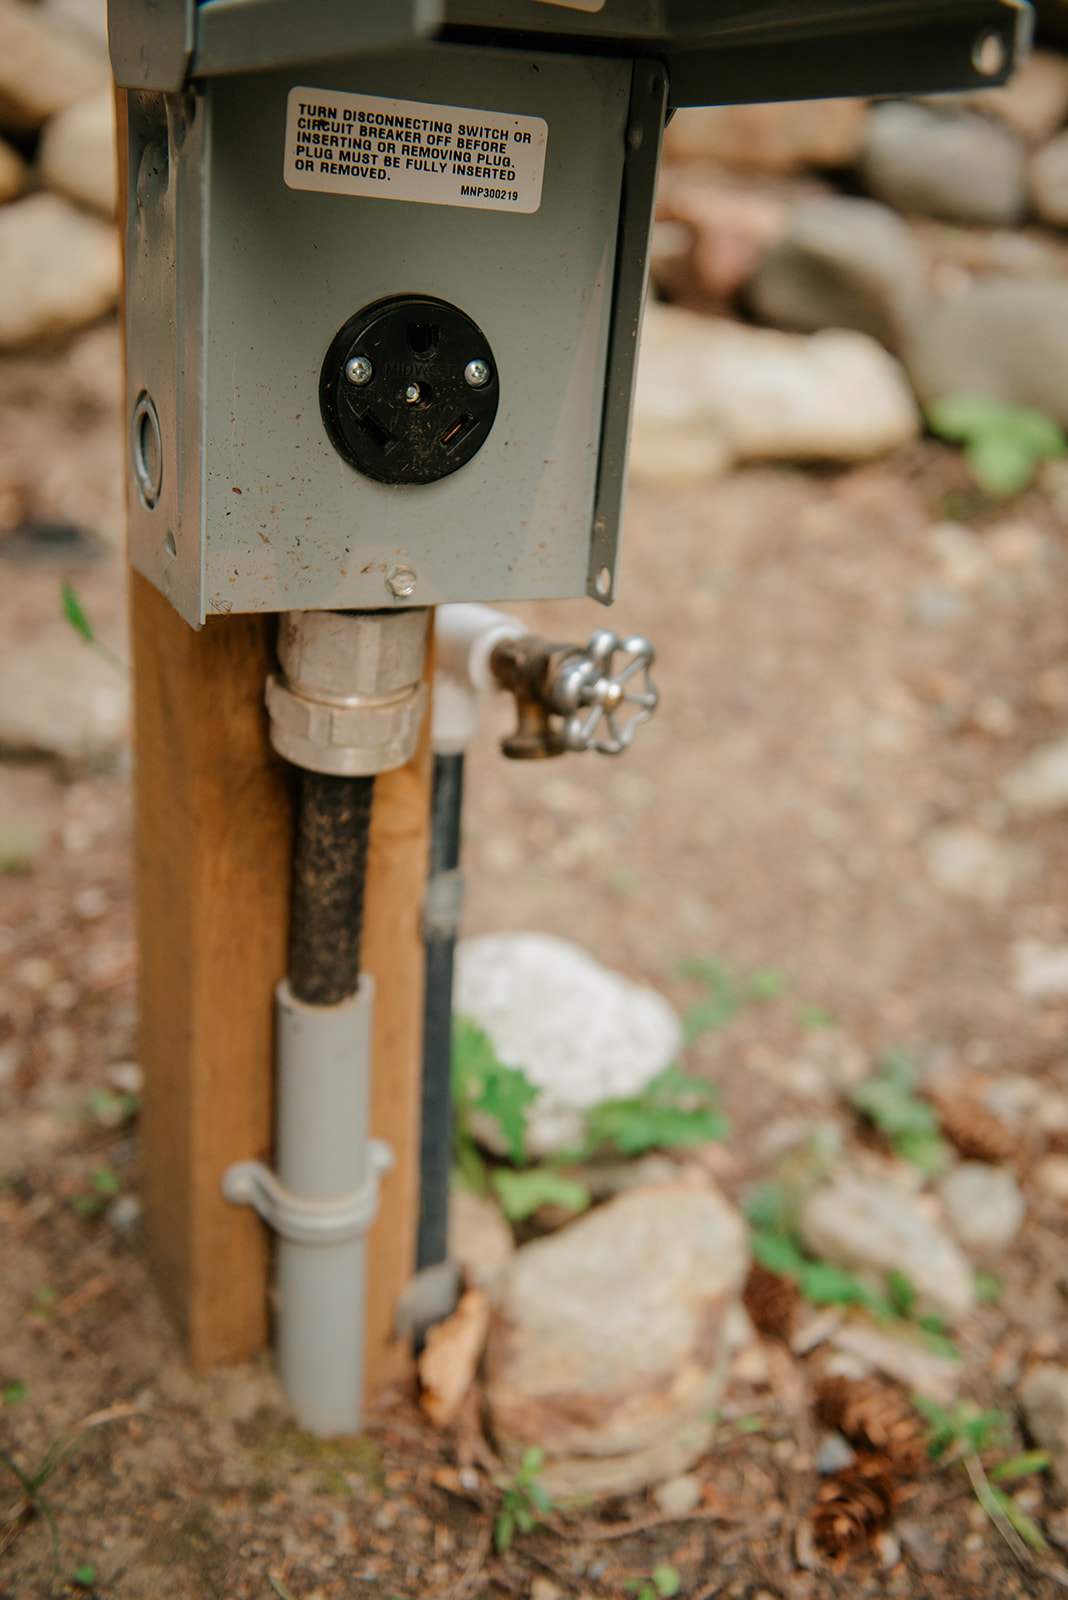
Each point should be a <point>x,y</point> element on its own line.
<point>989,55</point>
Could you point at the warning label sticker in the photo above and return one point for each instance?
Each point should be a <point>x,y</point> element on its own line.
<point>362,144</point>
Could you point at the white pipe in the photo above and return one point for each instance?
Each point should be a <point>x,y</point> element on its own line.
<point>324,1155</point>
<point>464,641</point>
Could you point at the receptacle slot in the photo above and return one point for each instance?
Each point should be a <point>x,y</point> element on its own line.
<point>423,337</point>
<point>457,431</point>
<point>376,429</point>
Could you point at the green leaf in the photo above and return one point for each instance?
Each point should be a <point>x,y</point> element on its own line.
<point>778,1252</point>
<point>768,1206</point>
<point>987,1287</point>
<point>13,1393</point>
<point>540,1497</point>
<point>1001,465</point>
<point>928,1151</point>
<point>75,615</point>
<point>532,1461</point>
<point>482,1082</point>
<point>824,1284</point>
<point>1022,1466</point>
<point>902,1292</point>
<point>816,1017</point>
<point>666,1581</point>
<point>504,1531</point>
<point>521,1193</point>
<point>1003,444</point>
<point>1025,1526</point>
<point>85,1576</point>
<point>524,1518</point>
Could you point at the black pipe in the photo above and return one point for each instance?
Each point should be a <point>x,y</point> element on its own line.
<point>440,926</point>
<point>329,873</point>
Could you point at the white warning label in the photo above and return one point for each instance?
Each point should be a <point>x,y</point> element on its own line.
<point>361,144</point>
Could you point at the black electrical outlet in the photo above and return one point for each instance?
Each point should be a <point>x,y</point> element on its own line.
<point>409,390</point>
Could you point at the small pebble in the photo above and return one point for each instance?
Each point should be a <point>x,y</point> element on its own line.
<point>124,1214</point>
<point>1051,1176</point>
<point>126,1076</point>
<point>834,1455</point>
<point>678,1496</point>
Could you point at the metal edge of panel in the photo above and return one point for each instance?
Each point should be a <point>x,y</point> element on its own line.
<point>259,35</point>
<point>930,54</point>
<point>644,130</point>
<point>151,43</point>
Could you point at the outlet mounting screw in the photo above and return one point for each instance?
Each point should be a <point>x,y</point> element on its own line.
<point>358,370</point>
<point>400,581</point>
<point>477,373</point>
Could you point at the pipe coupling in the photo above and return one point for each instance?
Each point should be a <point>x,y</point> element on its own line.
<point>350,699</point>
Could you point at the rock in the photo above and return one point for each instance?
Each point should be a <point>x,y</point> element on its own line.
<point>954,165</point>
<point>984,1206</point>
<point>1038,787</point>
<point>678,1496</point>
<point>1006,338</point>
<point>1034,103</point>
<point>607,1347</point>
<point>1040,971</point>
<point>544,1589</point>
<point>1044,1397</point>
<point>712,392</point>
<point>124,1213</point>
<point>580,1033</point>
<point>61,699</point>
<point>451,1356</point>
<point>769,138</point>
<point>44,67</point>
<point>843,263</point>
<point>12,173</point>
<point>834,1455</point>
<point>480,1239</point>
<point>1049,182</point>
<point>77,156</point>
<point>730,231</point>
<point>59,268</point>
<point>876,1228</point>
<point>901,1356</point>
<point>1051,1177</point>
<point>965,861</point>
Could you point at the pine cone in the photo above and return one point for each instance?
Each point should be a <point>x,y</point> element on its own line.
<point>973,1128</point>
<point>773,1302</point>
<point>876,1417</point>
<point>854,1506</point>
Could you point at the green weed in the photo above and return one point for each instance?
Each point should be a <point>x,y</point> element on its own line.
<point>661,1584</point>
<point>1003,445</point>
<point>524,1501</point>
<point>910,1124</point>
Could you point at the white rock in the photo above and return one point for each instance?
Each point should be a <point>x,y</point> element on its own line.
<point>77,156</point>
<point>678,1496</point>
<point>984,1206</point>
<point>1040,971</point>
<point>480,1239</point>
<point>1044,1396</point>
<point>967,862</point>
<point>580,1033</point>
<point>12,173</point>
<point>61,698</point>
<point>863,1223</point>
<point>59,268</point>
<point>711,392</point>
<point>608,1343</point>
<point>900,1356</point>
<point>44,67</point>
<point>1039,785</point>
<point>124,1213</point>
<point>1049,182</point>
<point>778,138</point>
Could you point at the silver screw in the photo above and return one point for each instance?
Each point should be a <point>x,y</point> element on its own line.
<point>477,373</point>
<point>413,394</point>
<point>358,370</point>
<point>401,581</point>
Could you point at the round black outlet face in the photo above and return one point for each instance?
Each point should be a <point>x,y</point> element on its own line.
<point>409,390</point>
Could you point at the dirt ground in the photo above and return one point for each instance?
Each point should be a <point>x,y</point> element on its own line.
<point>849,662</point>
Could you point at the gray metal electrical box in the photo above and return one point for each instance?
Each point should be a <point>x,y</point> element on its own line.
<point>385,265</point>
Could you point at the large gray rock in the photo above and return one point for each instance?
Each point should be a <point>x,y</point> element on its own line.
<point>44,66</point>
<point>984,1206</point>
<point>1005,338</point>
<point>843,263</point>
<point>713,392</point>
<point>954,165</point>
<point>608,1344</point>
<point>579,1032</point>
<point>59,268</point>
<point>1049,182</point>
<point>875,1228</point>
<point>480,1240</point>
<point>77,156</point>
<point>1034,103</point>
<point>1044,1397</point>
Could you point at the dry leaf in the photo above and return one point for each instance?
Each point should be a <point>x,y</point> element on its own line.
<point>451,1356</point>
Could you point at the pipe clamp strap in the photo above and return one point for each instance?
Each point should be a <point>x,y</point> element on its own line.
<point>443,904</point>
<point>250,1183</point>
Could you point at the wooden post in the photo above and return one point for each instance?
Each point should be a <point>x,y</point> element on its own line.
<point>213,849</point>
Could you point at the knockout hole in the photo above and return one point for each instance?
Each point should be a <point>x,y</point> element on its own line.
<point>147,451</point>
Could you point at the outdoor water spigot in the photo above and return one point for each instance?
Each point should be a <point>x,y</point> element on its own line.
<point>568,698</point>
